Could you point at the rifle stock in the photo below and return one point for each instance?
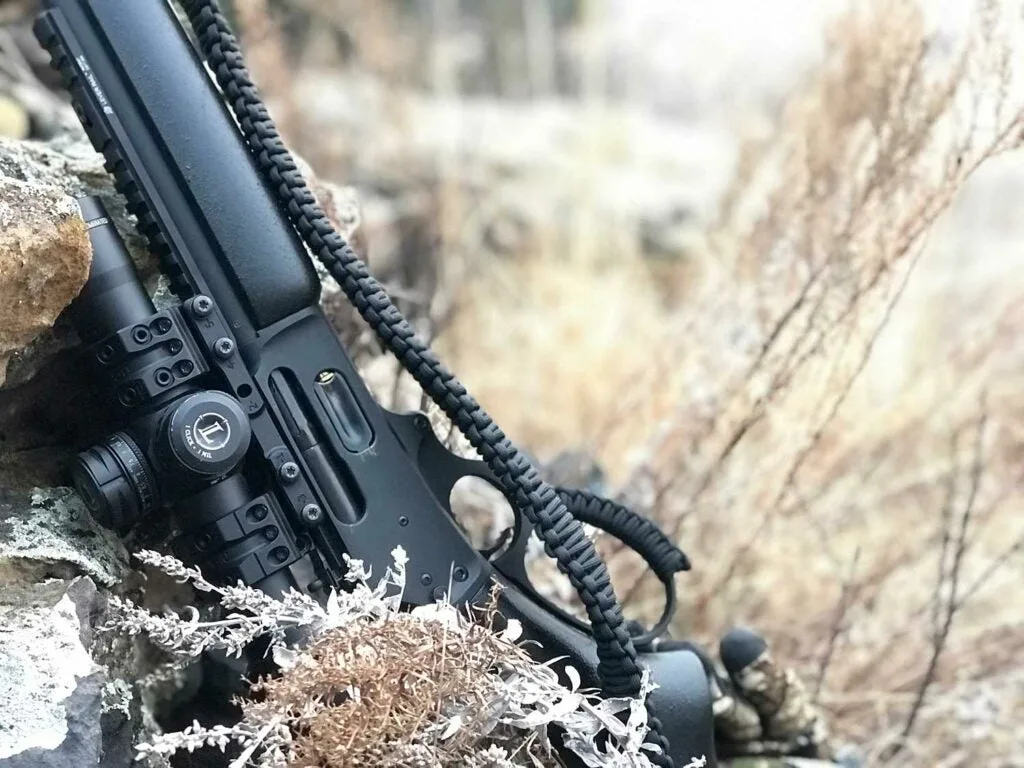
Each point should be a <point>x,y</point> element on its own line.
<point>315,468</point>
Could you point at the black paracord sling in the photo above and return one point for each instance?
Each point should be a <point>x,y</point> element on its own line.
<point>548,510</point>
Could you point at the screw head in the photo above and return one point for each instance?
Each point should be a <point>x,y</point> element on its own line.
<point>312,514</point>
<point>259,512</point>
<point>289,472</point>
<point>403,521</point>
<point>439,593</point>
<point>224,347</point>
<point>461,574</point>
<point>202,306</point>
<point>426,579</point>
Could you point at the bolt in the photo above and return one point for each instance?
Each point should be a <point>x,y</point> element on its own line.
<point>439,593</point>
<point>162,325</point>
<point>461,574</point>
<point>202,306</point>
<point>224,347</point>
<point>174,346</point>
<point>141,334</point>
<point>289,472</point>
<point>270,533</point>
<point>106,354</point>
<point>403,521</point>
<point>203,542</point>
<point>422,423</point>
<point>279,554</point>
<point>163,377</point>
<point>426,579</point>
<point>315,585</point>
<point>184,367</point>
<point>312,514</point>
<point>259,512</point>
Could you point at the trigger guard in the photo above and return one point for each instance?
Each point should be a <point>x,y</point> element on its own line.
<point>442,469</point>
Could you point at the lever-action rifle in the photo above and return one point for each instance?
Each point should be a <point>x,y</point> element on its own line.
<point>239,414</point>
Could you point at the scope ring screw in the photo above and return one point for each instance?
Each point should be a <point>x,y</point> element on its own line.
<point>202,306</point>
<point>128,396</point>
<point>426,579</point>
<point>174,347</point>
<point>312,514</point>
<point>162,325</point>
<point>259,512</point>
<point>141,334</point>
<point>224,347</point>
<point>461,574</point>
<point>289,472</point>
<point>184,367</point>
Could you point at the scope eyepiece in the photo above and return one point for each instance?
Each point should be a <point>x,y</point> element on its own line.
<point>116,482</point>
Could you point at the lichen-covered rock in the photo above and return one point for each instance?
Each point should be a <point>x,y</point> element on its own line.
<point>44,260</point>
<point>60,707</point>
<point>49,533</point>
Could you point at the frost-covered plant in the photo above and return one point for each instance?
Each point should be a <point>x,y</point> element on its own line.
<point>370,685</point>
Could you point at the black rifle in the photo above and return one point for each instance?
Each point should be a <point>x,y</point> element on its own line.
<point>240,415</point>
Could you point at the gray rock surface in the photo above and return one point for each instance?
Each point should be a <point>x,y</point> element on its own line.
<point>59,706</point>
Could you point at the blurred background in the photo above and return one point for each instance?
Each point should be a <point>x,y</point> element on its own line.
<point>754,267</point>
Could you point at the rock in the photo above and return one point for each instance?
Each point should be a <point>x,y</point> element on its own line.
<point>60,707</point>
<point>48,533</point>
<point>44,260</point>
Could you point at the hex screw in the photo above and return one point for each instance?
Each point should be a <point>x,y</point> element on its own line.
<point>439,593</point>
<point>289,472</point>
<point>312,514</point>
<point>461,574</point>
<point>426,579</point>
<point>224,347</point>
<point>403,521</point>
<point>202,306</point>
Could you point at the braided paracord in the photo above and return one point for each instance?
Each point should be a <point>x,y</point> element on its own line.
<point>562,535</point>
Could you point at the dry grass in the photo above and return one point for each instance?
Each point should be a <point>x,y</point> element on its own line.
<point>857,504</point>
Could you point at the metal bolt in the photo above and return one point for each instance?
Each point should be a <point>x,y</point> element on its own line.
<point>422,423</point>
<point>461,574</point>
<point>259,512</point>
<point>312,514</point>
<point>202,306</point>
<point>289,472</point>
<point>162,325</point>
<point>403,521</point>
<point>270,533</point>
<point>224,347</point>
<point>439,593</point>
<point>426,579</point>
